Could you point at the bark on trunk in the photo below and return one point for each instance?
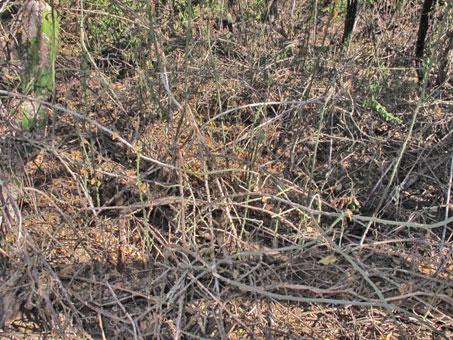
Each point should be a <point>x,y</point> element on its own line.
<point>349,23</point>
<point>38,47</point>
<point>422,31</point>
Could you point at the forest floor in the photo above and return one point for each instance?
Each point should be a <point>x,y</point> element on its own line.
<point>252,181</point>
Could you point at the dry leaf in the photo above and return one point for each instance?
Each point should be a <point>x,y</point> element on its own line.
<point>330,259</point>
<point>349,212</point>
<point>268,207</point>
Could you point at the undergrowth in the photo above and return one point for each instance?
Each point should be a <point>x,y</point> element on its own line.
<point>230,179</point>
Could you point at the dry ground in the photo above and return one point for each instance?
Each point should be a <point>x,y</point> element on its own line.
<point>232,185</point>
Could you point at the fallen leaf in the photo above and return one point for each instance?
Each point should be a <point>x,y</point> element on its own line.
<point>330,259</point>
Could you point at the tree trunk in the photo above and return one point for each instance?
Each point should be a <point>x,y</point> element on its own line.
<point>36,51</point>
<point>271,10</point>
<point>350,20</point>
<point>422,31</point>
<point>38,47</point>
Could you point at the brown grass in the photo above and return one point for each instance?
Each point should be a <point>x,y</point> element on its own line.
<point>251,198</point>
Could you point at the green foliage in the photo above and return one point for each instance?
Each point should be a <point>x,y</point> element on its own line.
<point>185,11</point>
<point>262,9</point>
<point>338,5</point>
<point>381,109</point>
<point>372,102</point>
<point>107,26</point>
<point>259,7</point>
<point>194,8</point>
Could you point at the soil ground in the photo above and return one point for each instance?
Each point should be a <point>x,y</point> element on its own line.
<point>222,176</point>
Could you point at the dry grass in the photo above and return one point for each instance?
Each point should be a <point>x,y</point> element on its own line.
<point>246,194</point>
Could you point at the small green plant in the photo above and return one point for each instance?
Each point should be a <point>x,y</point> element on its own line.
<point>332,6</point>
<point>379,108</point>
<point>259,7</point>
<point>373,103</point>
<point>182,7</point>
<point>111,27</point>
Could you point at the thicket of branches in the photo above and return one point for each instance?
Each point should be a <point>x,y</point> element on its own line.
<point>231,170</point>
